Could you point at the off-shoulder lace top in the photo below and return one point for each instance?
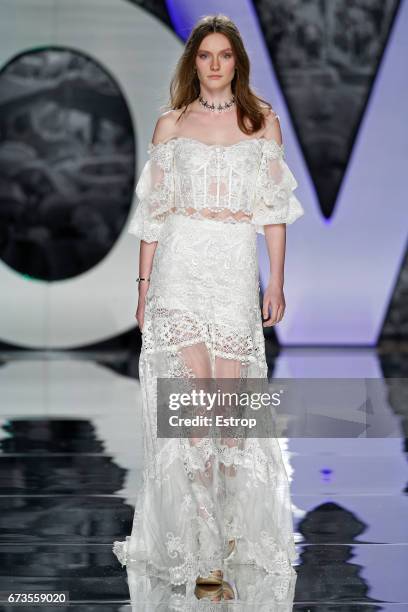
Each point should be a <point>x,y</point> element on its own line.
<point>245,182</point>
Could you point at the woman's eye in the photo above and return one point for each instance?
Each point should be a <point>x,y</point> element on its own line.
<point>204,55</point>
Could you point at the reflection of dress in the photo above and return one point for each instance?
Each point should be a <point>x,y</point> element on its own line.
<point>204,204</point>
<point>253,589</point>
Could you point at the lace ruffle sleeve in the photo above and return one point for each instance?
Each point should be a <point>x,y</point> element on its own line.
<point>154,193</point>
<point>275,201</point>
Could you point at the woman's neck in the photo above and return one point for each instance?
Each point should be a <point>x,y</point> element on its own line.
<point>216,97</point>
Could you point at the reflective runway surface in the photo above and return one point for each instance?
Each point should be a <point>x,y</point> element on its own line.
<point>71,467</point>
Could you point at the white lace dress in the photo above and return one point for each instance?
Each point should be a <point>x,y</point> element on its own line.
<point>204,205</point>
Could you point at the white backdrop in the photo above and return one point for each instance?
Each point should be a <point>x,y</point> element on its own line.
<point>138,50</point>
<point>340,274</point>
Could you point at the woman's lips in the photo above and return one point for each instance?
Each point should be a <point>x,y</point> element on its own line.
<point>214,76</point>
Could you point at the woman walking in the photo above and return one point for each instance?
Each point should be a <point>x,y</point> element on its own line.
<point>215,177</point>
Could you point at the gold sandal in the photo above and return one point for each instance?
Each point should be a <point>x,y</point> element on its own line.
<point>211,592</point>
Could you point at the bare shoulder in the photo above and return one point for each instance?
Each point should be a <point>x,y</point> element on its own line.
<point>272,125</point>
<point>166,126</point>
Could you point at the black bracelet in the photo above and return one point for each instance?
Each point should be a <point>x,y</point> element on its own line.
<point>140,278</point>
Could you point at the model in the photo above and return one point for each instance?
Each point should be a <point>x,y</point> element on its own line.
<point>215,177</point>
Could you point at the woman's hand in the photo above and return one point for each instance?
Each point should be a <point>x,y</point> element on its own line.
<point>139,314</point>
<point>273,299</point>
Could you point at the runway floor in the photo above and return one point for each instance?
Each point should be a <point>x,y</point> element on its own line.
<point>71,466</point>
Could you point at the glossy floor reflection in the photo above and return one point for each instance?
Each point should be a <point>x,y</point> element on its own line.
<point>71,467</point>
<point>243,588</point>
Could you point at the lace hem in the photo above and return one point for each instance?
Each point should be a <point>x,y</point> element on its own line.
<point>142,227</point>
<point>195,540</point>
<point>270,558</point>
<point>214,213</point>
<point>288,212</point>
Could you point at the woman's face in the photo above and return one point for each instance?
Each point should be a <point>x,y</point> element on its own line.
<point>215,56</point>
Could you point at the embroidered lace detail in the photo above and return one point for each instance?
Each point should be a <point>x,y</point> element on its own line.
<point>246,182</point>
<point>237,488</point>
<point>202,319</point>
<point>210,516</point>
<point>172,329</point>
<point>154,194</point>
<point>274,198</point>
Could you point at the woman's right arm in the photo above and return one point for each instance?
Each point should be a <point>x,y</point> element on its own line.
<point>164,130</point>
<point>146,256</point>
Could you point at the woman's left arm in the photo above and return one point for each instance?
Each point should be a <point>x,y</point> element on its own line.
<point>275,207</point>
<point>274,304</point>
<point>275,236</point>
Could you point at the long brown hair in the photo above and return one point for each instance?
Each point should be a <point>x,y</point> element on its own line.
<point>185,85</point>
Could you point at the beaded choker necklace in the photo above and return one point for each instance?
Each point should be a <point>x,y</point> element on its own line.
<point>220,108</point>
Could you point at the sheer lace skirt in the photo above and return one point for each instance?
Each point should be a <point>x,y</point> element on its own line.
<point>203,320</point>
